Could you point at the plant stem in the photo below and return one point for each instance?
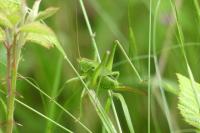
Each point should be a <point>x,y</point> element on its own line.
<point>149,67</point>
<point>160,65</point>
<point>115,111</point>
<point>11,69</point>
<point>92,34</point>
<point>8,78</point>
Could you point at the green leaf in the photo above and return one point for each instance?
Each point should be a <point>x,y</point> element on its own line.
<point>2,2</point>
<point>2,35</point>
<point>11,9</point>
<point>44,40</point>
<point>187,104</point>
<point>126,111</point>
<point>4,21</point>
<point>46,13</point>
<point>36,27</point>
<point>41,34</point>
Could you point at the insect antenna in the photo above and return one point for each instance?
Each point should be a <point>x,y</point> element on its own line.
<point>77,31</point>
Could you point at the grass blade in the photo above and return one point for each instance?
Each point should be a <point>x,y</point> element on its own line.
<point>42,115</point>
<point>101,112</point>
<point>60,106</point>
<point>149,67</point>
<point>157,77</point>
<point>126,111</point>
<point>54,91</point>
<point>181,37</point>
<point>115,111</point>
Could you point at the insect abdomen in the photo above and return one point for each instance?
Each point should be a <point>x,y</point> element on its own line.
<point>108,83</point>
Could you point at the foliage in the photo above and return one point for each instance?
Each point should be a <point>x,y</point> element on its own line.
<point>43,80</point>
<point>188,105</point>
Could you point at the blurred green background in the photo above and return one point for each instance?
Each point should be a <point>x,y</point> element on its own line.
<point>111,20</point>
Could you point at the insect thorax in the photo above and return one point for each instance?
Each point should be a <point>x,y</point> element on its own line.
<point>87,65</point>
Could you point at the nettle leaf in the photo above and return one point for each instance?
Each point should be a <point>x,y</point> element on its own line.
<point>47,13</point>
<point>11,9</point>
<point>44,40</point>
<point>188,104</point>
<point>37,28</point>
<point>2,35</point>
<point>4,21</point>
<point>9,1</point>
<point>41,34</point>
<point>6,4</point>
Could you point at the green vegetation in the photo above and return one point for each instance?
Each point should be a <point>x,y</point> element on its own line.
<point>99,66</point>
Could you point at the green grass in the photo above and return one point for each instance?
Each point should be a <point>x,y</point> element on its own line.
<point>155,40</point>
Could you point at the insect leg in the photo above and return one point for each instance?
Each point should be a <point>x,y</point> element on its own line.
<point>99,69</point>
<point>67,82</point>
<point>109,63</point>
<point>115,74</point>
<point>99,85</point>
<point>128,59</point>
<point>81,103</point>
<point>132,90</point>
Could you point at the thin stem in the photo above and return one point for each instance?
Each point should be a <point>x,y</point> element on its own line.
<point>149,68</point>
<point>42,115</point>
<point>8,66</point>
<point>11,93</point>
<point>115,111</point>
<point>56,103</point>
<point>181,37</point>
<point>160,64</point>
<point>8,78</point>
<point>157,77</point>
<point>92,34</point>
